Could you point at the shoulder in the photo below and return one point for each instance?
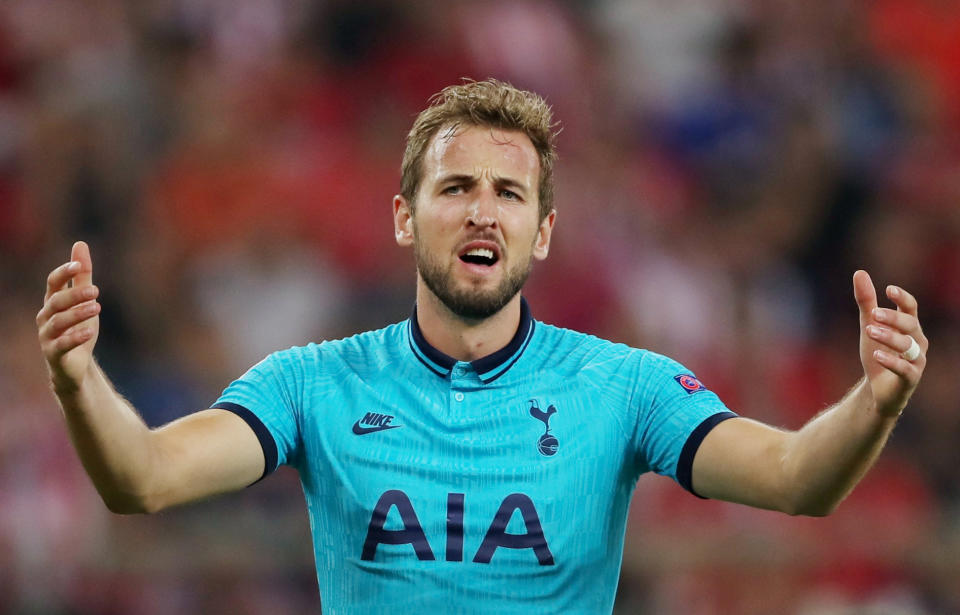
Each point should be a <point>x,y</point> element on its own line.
<point>576,345</point>
<point>559,348</point>
<point>567,350</point>
<point>369,350</point>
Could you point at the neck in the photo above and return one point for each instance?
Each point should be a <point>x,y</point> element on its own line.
<point>465,339</point>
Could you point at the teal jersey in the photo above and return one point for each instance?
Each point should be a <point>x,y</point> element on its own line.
<point>495,486</point>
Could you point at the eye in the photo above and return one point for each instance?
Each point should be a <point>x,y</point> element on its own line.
<point>453,190</point>
<point>510,195</point>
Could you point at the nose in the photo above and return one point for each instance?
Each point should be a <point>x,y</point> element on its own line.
<point>483,211</point>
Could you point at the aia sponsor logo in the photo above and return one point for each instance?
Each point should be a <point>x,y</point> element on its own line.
<point>413,533</point>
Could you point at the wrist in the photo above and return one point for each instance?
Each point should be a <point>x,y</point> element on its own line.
<point>862,397</point>
<point>68,388</point>
<point>887,411</point>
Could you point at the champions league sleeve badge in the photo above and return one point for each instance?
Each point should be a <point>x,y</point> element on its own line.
<point>689,383</point>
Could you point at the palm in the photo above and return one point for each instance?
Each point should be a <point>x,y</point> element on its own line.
<point>883,337</point>
<point>888,388</point>
<point>69,323</point>
<point>76,362</point>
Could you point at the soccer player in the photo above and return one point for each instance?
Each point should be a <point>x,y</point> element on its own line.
<point>472,458</point>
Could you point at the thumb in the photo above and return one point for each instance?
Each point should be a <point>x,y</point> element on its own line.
<point>865,295</point>
<point>81,254</point>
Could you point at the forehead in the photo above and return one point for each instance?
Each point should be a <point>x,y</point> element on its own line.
<point>475,150</point>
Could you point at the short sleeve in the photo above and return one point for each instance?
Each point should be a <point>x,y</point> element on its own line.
<point>263,398</point>
<point>675,413</point>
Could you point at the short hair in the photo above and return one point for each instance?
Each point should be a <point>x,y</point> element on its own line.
<point>483,103</point>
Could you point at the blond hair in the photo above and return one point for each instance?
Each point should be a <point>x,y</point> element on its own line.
<point>489,103</point>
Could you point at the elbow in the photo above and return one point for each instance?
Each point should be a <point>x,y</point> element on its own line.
<point>811,508</point>
<point>805,492</point>
<point>129,493</point>
<point>811,512</point>
<point>821,510</point>
<point>120,506</point>
<point>127,504</point>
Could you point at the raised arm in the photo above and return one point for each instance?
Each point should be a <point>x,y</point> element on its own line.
<point>811,470</point>
<point>134,468</point>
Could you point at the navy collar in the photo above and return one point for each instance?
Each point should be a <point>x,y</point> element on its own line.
<point>488,368</point>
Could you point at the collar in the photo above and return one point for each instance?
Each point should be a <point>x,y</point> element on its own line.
<point>488,368</point>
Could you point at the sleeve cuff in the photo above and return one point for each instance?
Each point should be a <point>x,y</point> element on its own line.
<point>685,464</point>
<point>263,434</point>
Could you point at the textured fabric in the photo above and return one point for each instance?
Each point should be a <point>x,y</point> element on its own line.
<point>496,486</point>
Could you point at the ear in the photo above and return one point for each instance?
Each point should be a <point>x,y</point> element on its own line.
<point>402,221</point>
<point>541,247</point>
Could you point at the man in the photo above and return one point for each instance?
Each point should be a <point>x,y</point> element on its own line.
<point>471,458</point>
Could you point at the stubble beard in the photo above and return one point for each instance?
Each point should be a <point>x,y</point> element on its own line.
<point>469,303</point>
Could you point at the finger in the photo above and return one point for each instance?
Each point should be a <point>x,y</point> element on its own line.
<point>865,295</point>
<point>61,322</point>
<point>81,254</point>
<point>904,300</point>
<point>895,341</point>
<point>68,341</point>
<point>898,365</point>
<point>64,300</point>
<point>901,321</point>
<point>59,277</point>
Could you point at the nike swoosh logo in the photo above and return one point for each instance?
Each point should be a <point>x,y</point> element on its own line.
<point>357,429</point>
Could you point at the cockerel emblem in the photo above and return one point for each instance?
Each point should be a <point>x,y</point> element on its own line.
<point>547,444</point>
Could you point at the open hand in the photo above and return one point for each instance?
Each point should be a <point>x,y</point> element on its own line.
<point>69,322</point>
<point>884,334</point>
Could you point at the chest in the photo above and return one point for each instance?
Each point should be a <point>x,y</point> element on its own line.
<point>456,468</point>
<point>463,433</point>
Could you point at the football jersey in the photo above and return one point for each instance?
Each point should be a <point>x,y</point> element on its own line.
<point>499,485</point>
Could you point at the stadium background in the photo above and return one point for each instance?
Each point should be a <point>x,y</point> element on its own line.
<point>725,166</point>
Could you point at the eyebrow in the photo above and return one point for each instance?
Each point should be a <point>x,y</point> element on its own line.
<point>509,183</point>
<point>457,178</point>
<point>461,178</point>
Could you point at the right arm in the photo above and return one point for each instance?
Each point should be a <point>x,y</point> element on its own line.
<point>135,469</point>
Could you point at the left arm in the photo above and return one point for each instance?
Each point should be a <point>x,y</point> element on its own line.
<point>810,471</point>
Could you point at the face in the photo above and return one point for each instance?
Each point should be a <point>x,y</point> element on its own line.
<point>475,226</point>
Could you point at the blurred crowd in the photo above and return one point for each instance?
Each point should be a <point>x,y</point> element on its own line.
<point>725,166</point>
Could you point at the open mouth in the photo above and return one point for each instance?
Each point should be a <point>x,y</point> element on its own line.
<point>480,256</point>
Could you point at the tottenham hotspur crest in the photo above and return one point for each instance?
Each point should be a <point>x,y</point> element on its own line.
<point>547,444</point>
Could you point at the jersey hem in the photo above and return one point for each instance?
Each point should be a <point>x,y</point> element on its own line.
<point>260,430</point>
<point>689,451</point>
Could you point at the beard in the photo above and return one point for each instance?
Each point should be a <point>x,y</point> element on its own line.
<point>469,304</point>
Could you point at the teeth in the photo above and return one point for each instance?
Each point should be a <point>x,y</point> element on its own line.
<point>481,252</point>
